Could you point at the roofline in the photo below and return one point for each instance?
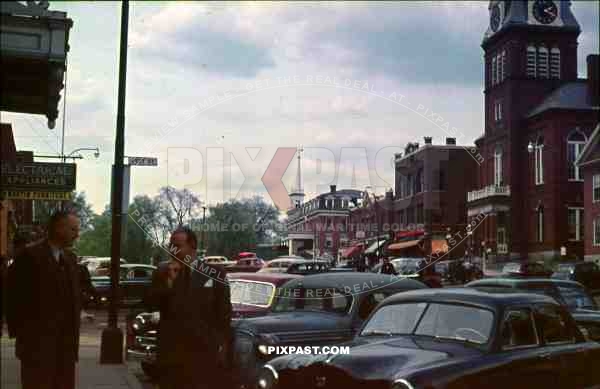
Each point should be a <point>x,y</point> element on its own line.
<point>549,109</point>
<point>434,147</point>
<point>588,147</point>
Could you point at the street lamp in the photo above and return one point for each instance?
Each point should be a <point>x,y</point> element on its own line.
<point>96,151</point>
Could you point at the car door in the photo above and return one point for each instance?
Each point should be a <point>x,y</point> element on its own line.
<point>521,361</point>
<point>561,342</point>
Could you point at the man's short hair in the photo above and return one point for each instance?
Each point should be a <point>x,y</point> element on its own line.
<point>57,217</point>
<point>190,235</point>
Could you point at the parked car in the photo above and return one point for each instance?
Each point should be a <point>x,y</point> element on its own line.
<point>98,266</point>
<point>252,295</point>
<point>318,309</point>
<point>294,265</point>
<point>281,264</point>
<point>414,268</point>
<point>526,269</point>
<point>134,281</point>
<point>571,294</point>
<point>248,265</point>
<point>452,338</point>
<point>309,267</point>
<point>586,273</point>
<point>219,260</point>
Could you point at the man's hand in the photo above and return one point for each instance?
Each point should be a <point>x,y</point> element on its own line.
<point>173,269</point>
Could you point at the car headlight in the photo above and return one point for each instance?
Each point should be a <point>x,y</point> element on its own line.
<point>103,299</point>
<point>402,384</point>
<point>263,349</point>
<point>135,326</point>
<point>267,378</point>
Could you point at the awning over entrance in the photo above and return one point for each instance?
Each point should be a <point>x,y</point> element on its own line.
<point>439,246</point>
<point>409,235</point>
<point>372,249</point>
<point>352,250</point>
<point>403,245</point>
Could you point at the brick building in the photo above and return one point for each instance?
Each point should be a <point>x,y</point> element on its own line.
<point>589,163</point>
<point>431,186</point>
<point>538,116</point>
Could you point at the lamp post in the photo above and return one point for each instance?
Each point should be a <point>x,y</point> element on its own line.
<point>111,348</point>
<point>96,151</point>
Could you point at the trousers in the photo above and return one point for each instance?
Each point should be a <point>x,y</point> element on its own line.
<point>55,374</point>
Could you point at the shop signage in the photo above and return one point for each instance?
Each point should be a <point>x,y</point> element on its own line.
<point>36,195</point>
<point>38,176</point>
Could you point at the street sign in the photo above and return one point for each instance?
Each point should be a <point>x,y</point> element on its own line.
<point>142,161</point>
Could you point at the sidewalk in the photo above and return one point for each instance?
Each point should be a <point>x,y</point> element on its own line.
<point>90,373</point>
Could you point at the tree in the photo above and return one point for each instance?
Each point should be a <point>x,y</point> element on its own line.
<point>45,208</point>
<point>178,205</point>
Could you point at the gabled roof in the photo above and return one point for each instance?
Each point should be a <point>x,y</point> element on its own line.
<point>588,150</point>
<point>571,95</point>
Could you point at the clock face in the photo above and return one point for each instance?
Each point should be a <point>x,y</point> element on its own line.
<point>545,11</point>
<point>495,18</point>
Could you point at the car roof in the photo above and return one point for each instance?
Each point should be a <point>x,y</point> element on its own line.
<point>130,265</point>
<point>473,296</point>
<point>274,278</point>
<point>354,280</point>
<point>517,281</point>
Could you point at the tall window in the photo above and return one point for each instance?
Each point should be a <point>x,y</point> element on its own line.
<point>596,188</point>
<point>419,181</point>
<point>494,70</point>
<point>597,231</point>
<point>540,225</point>
<point>531,61</point>
<point>555,62</point>
<point>498,110</point>
<point>498,166</point>
<point>539,161</point>
<point>411,185</point>
<point>575,142</point>
<point>575,220</point>
<point>543,62</point>
<point>503,65</point>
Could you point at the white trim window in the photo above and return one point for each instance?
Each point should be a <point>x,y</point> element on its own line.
<point>531,61</point>
<point>555,62</point>
<point>596,231</point>
<point>498,110</point>
<point>596,188</point>
<point>543,66</point>
<point>503,68</point>
<point>494,70</point>
<point>539,161</point>
<point>575,143</point>
<point>575,224</point>
<point>498,166</point>
<point>540,225</point>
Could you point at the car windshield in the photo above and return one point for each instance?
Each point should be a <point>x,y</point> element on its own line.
<point>576,298</point>
<point>314,299</point>
<point>440,321</point>
<point>511,268</point>
<point>251,293</point>
<point>564,268</point>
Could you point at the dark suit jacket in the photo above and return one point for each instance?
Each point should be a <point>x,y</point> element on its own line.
<point>42,329</point>
<point>195,315</point>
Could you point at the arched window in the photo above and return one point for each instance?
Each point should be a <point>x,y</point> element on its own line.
<point>540,224</point>
<point>575,142</point>
<point>555,62</point>
<point>498,166</point>
<point>543,62</point>
<point>531,61</point>
<point>539,161</point>
<point>494,70</point>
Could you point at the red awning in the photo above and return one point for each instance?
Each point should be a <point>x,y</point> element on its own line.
<point>246,254</point>
<point>352,250</point>
<point>439,246</point>
<point>403,245</point>
<point>409,234</point>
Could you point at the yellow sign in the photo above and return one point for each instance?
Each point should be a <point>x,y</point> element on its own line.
<point>29,195</point>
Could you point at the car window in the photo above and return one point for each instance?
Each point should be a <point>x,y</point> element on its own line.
<point>456,322</point>
<point>576,297</point>
<point>394,319</point>
<point>314,299</point>
<point>251,293</point>
<point>369,303</point>
<point>141,273</point>
<point>518,329</point>
<point>553,325</point>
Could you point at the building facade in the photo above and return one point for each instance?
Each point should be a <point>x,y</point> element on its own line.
<point>589,163</point>
<point>430,194</point>
<point>538,116</point>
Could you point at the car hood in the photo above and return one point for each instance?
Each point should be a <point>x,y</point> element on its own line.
<point>291,322</point>
<point>379,359</point>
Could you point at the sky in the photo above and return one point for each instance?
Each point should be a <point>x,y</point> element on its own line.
<point>214,90</point>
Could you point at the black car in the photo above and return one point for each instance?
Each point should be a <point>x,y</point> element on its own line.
<point>451,338</point>
<point>568,293</point>
<point>318,309</point>
<point>134,281</point>
<point>586,273</point>
<point>526,269</point>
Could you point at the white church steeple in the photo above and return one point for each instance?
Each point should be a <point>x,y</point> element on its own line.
<point>297,194</point>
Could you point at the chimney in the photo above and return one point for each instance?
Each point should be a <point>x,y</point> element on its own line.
<point>427,140</point>
<point>332,188</point>
<point>592,77</point>
<point>451,141</point>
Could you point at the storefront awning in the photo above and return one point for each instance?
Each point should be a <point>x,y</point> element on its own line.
<point>439,246</point>
<point>372,249</point>
<point>352,250</point>
<point>412,234</point>
<point>403,245</point>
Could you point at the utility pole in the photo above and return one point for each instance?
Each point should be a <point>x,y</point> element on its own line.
<point>204,231</point>
<point>111,349</point>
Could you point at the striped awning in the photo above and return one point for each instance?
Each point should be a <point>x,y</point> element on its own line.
<point>372,249</point>
<point>403,245</point>
<point>352,250</point>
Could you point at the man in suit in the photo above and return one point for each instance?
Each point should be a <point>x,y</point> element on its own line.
<point>195,317</point>
<point>44,307</point>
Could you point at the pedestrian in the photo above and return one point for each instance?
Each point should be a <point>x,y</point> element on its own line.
<point>388,267</point>
<point>44,307</point>
<point>195,317</point>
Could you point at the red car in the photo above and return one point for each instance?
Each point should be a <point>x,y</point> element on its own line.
<point>248,265</point>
